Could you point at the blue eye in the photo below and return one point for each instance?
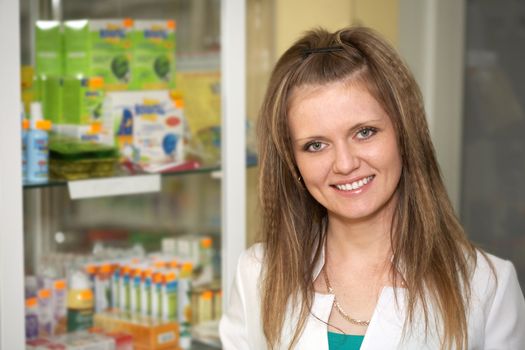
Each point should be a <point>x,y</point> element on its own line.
<point>366,133</point>
<point>314,146</point>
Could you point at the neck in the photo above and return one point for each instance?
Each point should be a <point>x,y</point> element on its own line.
<point>359,244</point>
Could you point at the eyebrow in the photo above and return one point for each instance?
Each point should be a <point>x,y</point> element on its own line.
<point>352,130</point>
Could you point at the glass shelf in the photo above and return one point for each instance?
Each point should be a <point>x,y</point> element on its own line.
<point>188,168</point>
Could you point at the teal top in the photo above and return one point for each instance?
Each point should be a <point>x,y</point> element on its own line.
<point>338,341</point>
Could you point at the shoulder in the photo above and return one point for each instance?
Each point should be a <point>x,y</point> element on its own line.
<point>497,313</point>
<point>251,258</point>
<point>495,283</point>
<point>491,271</point>
<point>249,265</point>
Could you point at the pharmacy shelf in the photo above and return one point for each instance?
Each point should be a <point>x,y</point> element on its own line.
<point>190,168</point>
<point>124,174</point>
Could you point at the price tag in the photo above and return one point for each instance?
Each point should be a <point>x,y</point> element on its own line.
<point>116,186</point>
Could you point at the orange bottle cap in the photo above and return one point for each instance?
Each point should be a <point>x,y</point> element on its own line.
<point>44,293</point>
<point>171,24</point>
<point>106,268</point>
<point>157,277</point>
<point>206,242</point>
<point>187,267</point>
<point>25,124</point>
<point>31,302</point>
<point>207,295</point>
<point>91,269</point>
<point>43,125</point>
<point>159,264</point>
<point>170,276</point>
<point>60,284</point>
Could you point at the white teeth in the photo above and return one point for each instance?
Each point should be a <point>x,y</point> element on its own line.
<point>355,185</point>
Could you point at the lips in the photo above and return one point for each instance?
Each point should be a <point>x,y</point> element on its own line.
<point>355,185</point>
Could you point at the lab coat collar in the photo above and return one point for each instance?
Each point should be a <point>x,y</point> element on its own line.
<point>386,324</point>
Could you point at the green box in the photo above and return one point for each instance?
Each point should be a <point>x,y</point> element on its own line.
<point>49,92</point>
<point>153,63</point>
<point>99,48</point>
<point>48,48</point>
<point>82,100</point>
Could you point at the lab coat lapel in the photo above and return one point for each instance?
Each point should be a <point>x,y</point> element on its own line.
<point>386,325</point>
<point>315,334</point>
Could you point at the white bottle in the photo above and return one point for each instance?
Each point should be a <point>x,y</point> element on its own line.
<point>37,146</point>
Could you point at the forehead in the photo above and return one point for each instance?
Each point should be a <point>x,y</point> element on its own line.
<point>348,100</point>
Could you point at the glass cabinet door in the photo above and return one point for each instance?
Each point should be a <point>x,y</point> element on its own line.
<point>156,262</point>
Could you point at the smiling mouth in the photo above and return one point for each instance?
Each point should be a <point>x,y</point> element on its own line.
<point>355,185</point>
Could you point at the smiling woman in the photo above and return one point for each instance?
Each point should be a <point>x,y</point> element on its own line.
<point>346,151</point>
<point>360,246</point>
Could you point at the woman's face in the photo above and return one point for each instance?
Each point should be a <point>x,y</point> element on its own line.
<point>346,150</point>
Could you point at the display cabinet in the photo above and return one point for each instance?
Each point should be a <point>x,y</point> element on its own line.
<point>58,219</point>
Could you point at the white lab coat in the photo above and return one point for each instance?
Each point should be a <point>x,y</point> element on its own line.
<point>496,320</point>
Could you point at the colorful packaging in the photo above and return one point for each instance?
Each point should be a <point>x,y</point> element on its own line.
<point>99,48</point>
<point>156,126</point>
<point>153,62</point>
<point>83,117</point>
<point>83,100</point>
<point>48,48</point>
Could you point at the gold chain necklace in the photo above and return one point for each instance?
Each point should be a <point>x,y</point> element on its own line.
<point>338,306</point>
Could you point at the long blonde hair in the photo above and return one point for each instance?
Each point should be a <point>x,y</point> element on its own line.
<point>430,248</point>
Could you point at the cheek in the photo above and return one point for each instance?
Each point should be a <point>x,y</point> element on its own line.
<point>312,169</point>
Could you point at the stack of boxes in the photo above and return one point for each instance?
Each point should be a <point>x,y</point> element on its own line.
<point>101,80</point>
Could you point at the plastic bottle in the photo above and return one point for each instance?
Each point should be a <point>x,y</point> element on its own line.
<point>146,294</point>
<point>136,290</point>
<point>184,305</point>
<point>156,294</point>
<point>115,287</point>
<point>217,305</point>
<point>25,128</point>
<point>59,297</point>
<point>31,318</point>
<point>169,296</point>
<point>125,288</point>
<point>37,146</point>
<point>79,303</point>
<point>45,313</point>
<point>103,288</point>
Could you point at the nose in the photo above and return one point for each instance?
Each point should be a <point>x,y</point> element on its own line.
<point>345,160</point>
